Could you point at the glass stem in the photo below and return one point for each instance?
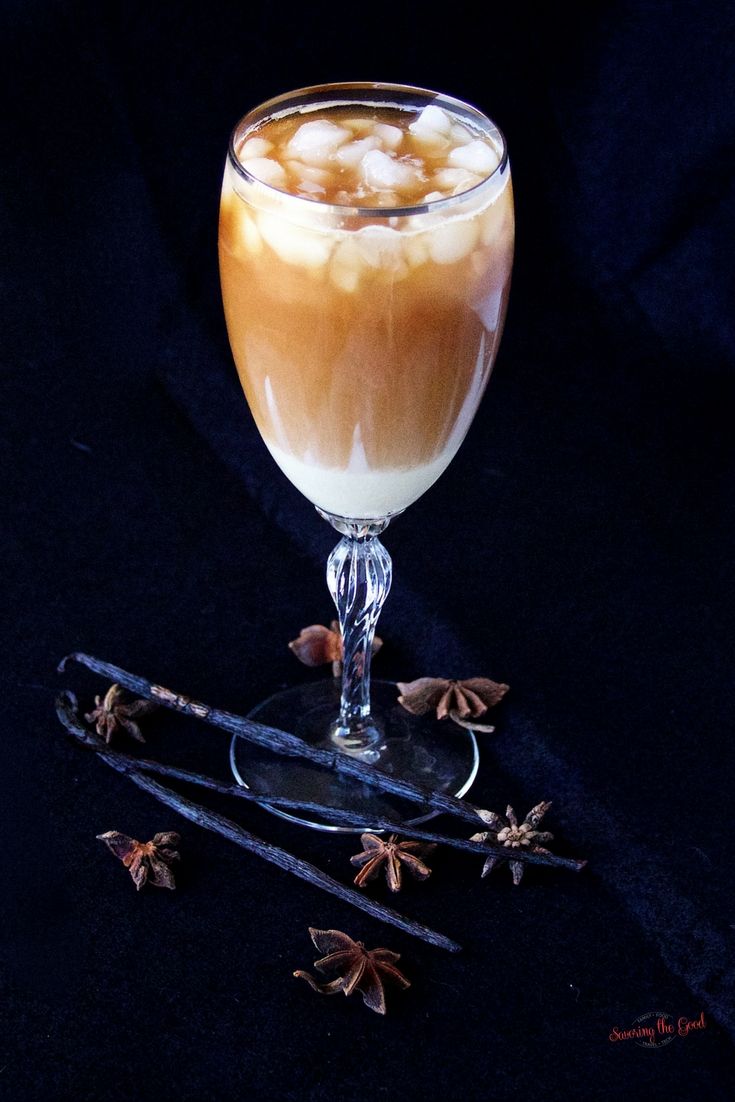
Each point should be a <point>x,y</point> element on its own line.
<point>359,576</point>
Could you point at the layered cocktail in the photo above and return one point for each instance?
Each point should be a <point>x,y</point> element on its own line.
<point>366,242</point>
<point>365,254</point>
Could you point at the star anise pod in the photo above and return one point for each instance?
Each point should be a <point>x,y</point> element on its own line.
<point>358,968</point>
<point>507,832</point>
<point>462,701</point>
<point>317,645</point>
<point>112,714</point>
<point>147,862</point>
<point>391,854</point>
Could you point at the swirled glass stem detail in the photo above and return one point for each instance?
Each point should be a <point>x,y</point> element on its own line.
<point>359,574</point>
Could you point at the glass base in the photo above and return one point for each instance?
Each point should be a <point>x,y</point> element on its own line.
<point>422,749</point>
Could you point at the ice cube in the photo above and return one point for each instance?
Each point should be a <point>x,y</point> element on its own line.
<point>346,265</point>
<point>295,244</point>
<point>430,143</point>
<point>311,190</point>
<point>246,236</point>
<point>266,170</point>
<point>497,218</point>
<point>255,147</point>
<point>358,125</point>
<point>476,157</point>
<point>344,277</point>
<point>350,155</point>
<point>432,196</point>
<point>309,172</point>
<point>460,135</point>
<point>314,142</point>
<point>434,119</point>
<point>452,241</point>
<point>416,248</point>
<point>390,136</point>
<point>465,185</point>
<point>384,173</point>
<point>455,180</point>
<point>380,247</point>
<point>492,225</point>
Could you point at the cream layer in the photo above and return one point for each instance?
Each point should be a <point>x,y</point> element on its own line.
<point>364,494</point>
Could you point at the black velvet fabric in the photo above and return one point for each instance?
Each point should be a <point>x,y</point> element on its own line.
<point>579,548</point>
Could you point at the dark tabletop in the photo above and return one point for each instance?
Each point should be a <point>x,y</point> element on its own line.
<point>579,548</point>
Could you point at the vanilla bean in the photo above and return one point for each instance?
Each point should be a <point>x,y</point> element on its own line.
<point>280,742</point>
<point>67,711</point>
<point>337,816</point>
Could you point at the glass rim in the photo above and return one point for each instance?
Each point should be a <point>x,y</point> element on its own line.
<point>268,107</point>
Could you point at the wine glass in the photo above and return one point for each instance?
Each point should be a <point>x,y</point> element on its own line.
<point>366,240</point>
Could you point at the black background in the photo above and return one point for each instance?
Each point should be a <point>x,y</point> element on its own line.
<point>579,548</point>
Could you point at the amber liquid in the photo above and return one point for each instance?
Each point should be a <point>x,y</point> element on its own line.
<point>363,344</point>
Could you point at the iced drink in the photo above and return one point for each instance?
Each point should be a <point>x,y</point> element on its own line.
<point>365,255</point>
